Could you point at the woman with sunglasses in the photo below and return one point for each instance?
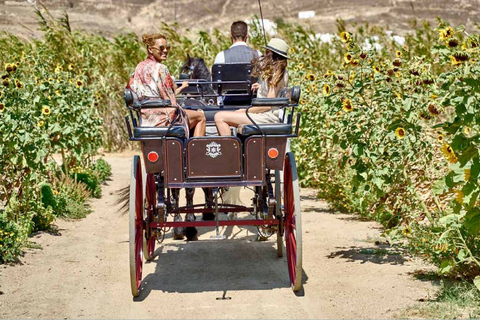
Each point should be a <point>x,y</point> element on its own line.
<point>273,77</point>
<point>153,80</point>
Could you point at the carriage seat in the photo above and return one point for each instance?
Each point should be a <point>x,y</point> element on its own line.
<point>270,129</point>
<point>144,132</point>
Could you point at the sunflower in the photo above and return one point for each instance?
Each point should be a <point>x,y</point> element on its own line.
<point>9,67</point>
<point>440,137</point>
<point>454,61</point>
<point>302,102</point>
<point>376,69</point>
<point>432,108</point>
<point>311,77</point>
<point>58,93</point>
<point>19,84</point>
<point>58,69</point>
<point>398,53</point>
<point>400,133</point>
<point>451,43</point>
<point>461,56</point>
<point>40,123</point>
<point>345,36</point>
<point>448,153</point>
<point>466,172</point>
<point>326,90</point>
<point>444,34</point>
<point>79,83</point>
<point>397,62</point>
<point>347,57</point>
<point>328,74</point>
<point>2,107</point>
<point>46,110</point>
<point>300,66</point>
<point>467,131</point>
<point>407,231</point>
<point>355,62</point>
<point>351,78</point>
<point>6,82</point>
<point>347,105</point>
<point>314,88</point>
<point>363,54</point>
<point>71,67</point>
<point>340,84</point>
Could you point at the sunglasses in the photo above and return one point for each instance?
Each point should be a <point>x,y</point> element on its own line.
<point>162,48</point>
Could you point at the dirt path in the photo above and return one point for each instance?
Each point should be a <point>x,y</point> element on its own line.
<point>83,272</point>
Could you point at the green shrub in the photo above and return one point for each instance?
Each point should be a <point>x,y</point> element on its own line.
<point>10,239</point>
<point>43,218</point>
<point>88,177</point>
<point>103,169</point>
<point>48,197</point>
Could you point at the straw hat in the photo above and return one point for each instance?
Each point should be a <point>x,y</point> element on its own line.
<point>278,46</point>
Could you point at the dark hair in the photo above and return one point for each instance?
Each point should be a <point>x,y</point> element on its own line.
<point>271,67</point>
<point>239,30</point>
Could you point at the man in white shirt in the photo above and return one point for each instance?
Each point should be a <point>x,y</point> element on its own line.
<point>239,52</point>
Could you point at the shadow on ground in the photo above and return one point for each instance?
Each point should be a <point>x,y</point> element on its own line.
<point>378,255</point>
<point>201,266</point>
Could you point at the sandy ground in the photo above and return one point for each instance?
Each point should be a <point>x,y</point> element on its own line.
<point>83,271</point>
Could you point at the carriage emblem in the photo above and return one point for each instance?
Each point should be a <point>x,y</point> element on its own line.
<point>214,149</point>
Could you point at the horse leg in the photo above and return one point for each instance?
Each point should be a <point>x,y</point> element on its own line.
<point>190,232</point>
<point>178,232</point>
<point>208,204</point>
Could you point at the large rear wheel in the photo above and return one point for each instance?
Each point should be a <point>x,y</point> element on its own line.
<point>150,210</point>
<point>136,226</point>
<point>293,222</point>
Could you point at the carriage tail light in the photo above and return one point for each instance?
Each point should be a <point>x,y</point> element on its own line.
<point>272,153</point>
<point>152,156</point>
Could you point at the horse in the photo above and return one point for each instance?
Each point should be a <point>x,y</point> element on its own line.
<point>195,68</point>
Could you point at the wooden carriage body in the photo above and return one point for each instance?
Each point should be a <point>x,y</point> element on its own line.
<point>255,156</point>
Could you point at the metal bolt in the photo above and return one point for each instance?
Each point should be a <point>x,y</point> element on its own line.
<point>175,179</point>
<point>254,177</point>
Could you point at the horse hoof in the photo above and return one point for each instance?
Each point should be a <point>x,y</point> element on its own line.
<point>191,233</point>
<point>208,216</point>
<point>178,237</point>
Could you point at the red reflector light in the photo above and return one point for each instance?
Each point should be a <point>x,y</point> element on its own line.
<point>272,153</point>
<point>152,156</point>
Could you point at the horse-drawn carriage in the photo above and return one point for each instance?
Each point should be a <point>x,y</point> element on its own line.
<point>255,157</point>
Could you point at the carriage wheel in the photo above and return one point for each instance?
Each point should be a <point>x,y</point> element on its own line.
<point>150,208</point>
<point>136,226</point>
<point>278,213</point>
<point>293,222</point>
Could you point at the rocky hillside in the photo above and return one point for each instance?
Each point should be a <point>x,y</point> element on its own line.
<point>111,16</point>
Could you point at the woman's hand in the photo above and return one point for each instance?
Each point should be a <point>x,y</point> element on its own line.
<point>184,84</point>
<point>255,86</point>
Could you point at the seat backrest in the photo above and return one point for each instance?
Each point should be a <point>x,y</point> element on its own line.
<point>237,72</point>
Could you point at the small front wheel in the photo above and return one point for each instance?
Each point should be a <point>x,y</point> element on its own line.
<point>293,222</point>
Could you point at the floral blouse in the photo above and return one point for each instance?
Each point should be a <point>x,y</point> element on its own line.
<point>152,79</point>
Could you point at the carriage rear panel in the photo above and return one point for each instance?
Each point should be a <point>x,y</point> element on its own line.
<point>218,157</point>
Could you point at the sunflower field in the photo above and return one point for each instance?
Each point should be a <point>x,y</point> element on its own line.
<point>389,130</point>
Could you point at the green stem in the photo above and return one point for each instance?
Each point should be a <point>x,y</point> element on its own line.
<point>468,249</point>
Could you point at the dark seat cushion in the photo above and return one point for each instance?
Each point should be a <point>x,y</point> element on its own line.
<point>270,102</point>
<point>269,129</point>
<point>142,132</point>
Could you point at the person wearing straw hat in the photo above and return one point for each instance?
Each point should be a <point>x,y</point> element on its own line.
<point>271,69</point>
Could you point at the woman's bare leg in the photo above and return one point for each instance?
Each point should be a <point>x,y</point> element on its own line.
<point>198,121</point>
<point>225,119</point>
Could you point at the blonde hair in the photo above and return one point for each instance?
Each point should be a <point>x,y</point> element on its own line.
<point>149,38</point>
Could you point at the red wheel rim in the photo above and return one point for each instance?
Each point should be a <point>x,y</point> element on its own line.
<point>150,209</point>
<point>289,207</point>
<point>138,225</point>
